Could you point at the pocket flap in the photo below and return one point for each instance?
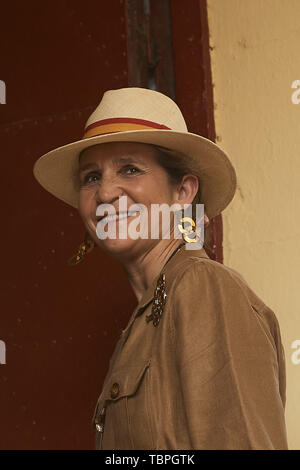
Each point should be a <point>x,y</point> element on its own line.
<point>124,381</point>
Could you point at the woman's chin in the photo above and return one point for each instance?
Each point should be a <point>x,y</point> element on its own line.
<point>117,245</point>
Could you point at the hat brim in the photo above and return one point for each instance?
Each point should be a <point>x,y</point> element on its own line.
<point>55,170</point>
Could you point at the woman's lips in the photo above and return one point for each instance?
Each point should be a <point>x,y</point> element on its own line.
<point>114,217</point>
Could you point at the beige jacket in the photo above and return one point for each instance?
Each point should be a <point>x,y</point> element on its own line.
<point>210,375</point>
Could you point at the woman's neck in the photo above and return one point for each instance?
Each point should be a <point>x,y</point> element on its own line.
<point>145,268</point>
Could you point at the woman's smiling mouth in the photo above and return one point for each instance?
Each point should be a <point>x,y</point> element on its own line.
<point>113,217</point>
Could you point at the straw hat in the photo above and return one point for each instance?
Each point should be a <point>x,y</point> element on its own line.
<point>141,115</point>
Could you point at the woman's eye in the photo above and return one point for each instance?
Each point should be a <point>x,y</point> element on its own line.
<point>90,178</point>
<point>94,177</point>
<point>136,170</point>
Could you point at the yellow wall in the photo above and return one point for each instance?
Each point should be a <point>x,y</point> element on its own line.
<point>255,59</point>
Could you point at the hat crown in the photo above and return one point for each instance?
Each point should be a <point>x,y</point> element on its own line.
<point>141,104</point>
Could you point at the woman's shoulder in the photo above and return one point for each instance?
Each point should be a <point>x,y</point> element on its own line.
<point>198,274</point>
<point>197,268</point>
<point>209,293</point>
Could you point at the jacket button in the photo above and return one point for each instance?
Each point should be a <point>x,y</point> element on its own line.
<point>115,390</point>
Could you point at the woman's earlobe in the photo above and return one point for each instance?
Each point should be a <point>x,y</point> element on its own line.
<point>206,220</point>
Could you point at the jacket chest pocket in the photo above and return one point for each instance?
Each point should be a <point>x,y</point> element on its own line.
<point>123,414</point>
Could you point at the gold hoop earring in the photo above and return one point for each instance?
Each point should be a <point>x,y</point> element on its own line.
<point>188,231</point>
<point>84,248</point>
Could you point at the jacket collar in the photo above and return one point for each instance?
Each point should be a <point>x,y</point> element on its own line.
<point>170,270</point>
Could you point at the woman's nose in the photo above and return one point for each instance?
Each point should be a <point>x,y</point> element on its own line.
<point>108,190</point>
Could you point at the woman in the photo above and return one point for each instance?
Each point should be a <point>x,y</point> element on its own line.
<point>200,364</point>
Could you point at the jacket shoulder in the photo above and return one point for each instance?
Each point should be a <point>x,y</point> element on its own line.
<point>216,272</point>
<point>195,272</point>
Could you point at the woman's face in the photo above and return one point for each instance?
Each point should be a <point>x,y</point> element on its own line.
<point>111,170</point>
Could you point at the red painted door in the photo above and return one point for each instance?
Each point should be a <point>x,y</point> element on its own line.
<point>59,324</point>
